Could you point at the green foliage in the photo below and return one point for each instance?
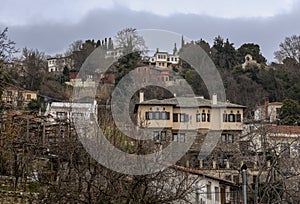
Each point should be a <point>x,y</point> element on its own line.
<point>252,69</point>
<point>188,75</point>
<point>290,112</point>
<point>127,63</point>
<point>34,187</point>
<point>224,54</point>
<point>282,75</point>
<point>34,106</point>
<point>65,76</point>
<point>204,45</point>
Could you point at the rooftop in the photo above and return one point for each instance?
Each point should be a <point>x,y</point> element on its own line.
<point>283,129</point>
<point>190,102</point>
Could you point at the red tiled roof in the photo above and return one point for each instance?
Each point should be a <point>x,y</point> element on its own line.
<point>189,170</point>
<point>283,129</point>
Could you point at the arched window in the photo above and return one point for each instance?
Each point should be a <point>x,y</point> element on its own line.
<point>203,116</point>
<point>231,117</point>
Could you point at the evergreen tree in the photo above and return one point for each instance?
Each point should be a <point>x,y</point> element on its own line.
<point>290,112</point>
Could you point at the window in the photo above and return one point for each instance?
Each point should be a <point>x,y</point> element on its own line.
<point>28,96</point>
<point>163,136</point>
<point>156,116</point>
<point>77,115</point>
<point>149,115</point>
<point>9,93</point>
<point>227,138</point>
<point>175,137</point>
<point>61,114</point>
<point>208,190</point>
<point>182,137</point>
<point>163,115</point>
<point>208,117</point>
<point>224,117</point>
<point>238,117</point>
<point>224,138</point>
<point>197,117</point>
<point>217,194</point>
<point>184,117</point>
<point>230,138</point>
<point>175,117</point>
<point>203,117</point>
<point>168,115</point>
<point>231,118</point>
<point>156,136</point>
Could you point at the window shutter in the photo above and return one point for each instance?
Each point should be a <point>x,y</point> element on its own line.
<point>175,117</point>
<point>168,115</point>
<point>186,118</point>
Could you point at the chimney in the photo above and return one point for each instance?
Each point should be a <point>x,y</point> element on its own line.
<point>201,164</point>
<point>141,96</point>
<point>214,164</point>
<point>214,99</point>
<point>266,109</point>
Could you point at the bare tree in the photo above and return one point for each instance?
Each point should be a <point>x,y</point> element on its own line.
<point>290,48</point>
<point>7,47</point>
<point>272,164</point>
<point>130,40</point>
<point>35,65</point>
<point>73,47</point>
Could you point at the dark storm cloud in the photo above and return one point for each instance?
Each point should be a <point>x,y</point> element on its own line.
<point>54,38</point>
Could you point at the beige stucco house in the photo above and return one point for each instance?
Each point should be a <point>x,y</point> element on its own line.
<point>17,98</point>
<point>173,120</point>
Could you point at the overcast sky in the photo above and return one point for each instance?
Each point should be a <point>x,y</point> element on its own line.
<point>51,26</point>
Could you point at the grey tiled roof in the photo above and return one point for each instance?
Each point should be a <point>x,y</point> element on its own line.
<point>189,102</point>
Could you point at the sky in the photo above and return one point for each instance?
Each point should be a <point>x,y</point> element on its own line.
<point>52,25</point>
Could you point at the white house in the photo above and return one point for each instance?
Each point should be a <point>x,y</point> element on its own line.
<point>57,64</point>
<point>69,110</point>
<point>268,112</point>
<point>208,189</point>
<point>164,59</point>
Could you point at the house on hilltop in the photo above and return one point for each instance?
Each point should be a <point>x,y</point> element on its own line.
<point>164,59</point>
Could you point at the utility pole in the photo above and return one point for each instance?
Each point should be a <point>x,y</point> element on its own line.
<point>27,129</point>
<point>244,182</point>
